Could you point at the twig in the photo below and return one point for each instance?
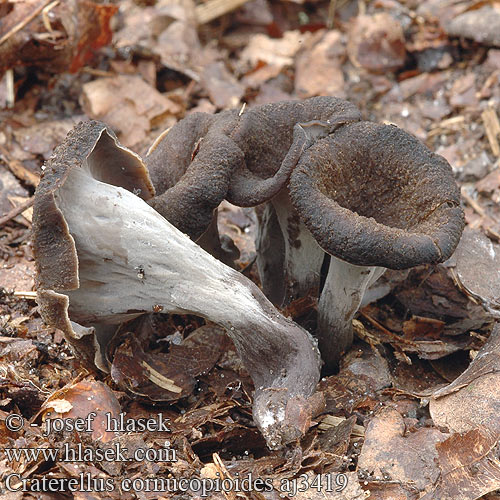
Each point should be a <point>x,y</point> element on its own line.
<point>157,141</point>
<point>472,202</point>
<point>331,13</point>
<point>16,211</point>
<point>492,127</point>
<point>45,16</point>
<point>387,332</point>
<point>215,8</point>
<point>11,96</point>
<point>19,26</point>
<point>25,295</point>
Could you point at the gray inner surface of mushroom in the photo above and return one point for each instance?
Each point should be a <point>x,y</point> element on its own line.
<point>131,260</point>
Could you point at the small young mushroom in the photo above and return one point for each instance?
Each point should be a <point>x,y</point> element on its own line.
<point>373,197</point>
<point>247,158</point>
<point>104,256</point>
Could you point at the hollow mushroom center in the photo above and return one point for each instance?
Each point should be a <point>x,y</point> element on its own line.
<point>373,197</point>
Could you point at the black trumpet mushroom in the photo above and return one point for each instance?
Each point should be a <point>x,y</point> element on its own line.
<point>246,157</point>
<point>105,256</point>
<point>373,197</point>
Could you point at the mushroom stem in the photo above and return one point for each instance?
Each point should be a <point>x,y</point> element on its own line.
<point>270,259</point>
<point>131,260</point>
<point>340,299</point>
<point>220,246</point>
<point>303,256</point>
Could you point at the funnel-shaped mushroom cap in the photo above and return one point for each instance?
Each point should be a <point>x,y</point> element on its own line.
<point>92,147</point>
<point>373,195</point>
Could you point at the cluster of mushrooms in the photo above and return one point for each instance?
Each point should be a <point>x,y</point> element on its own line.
<point>116,236</point>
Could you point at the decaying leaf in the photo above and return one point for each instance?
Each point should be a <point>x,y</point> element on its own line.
<point>222,87</point>
<point>171,376</point>
<point>127,104</point>
<point>432,293</point>
<point>79,400</point>
<point>478,269</point>
<point>318,69</point>
<point>9,186</point>
<point>481,24</point>
<point>469,465</point>
<point>391,454</point>
<point>56,36</point>
<point>277,52</point>
<point>334,442</point>
<point>473,399</point>
<point>376,43</point>
<point>17,274</point>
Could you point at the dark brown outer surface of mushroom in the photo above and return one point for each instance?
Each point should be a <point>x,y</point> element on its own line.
<point>373,195</point>
<point>244,157</point>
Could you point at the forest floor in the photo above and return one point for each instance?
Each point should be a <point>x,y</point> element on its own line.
<point>432,68</point>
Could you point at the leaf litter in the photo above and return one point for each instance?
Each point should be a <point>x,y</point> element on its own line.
<point>413,412</point>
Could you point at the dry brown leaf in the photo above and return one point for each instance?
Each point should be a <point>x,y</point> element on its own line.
<point>17,274</point>
<point>469,465</point>
<point>222,87</point>
<point>278,52</point>
<point>9,186</point>
<point>318,71</point>
<point>42,138</point>
<point>127,104</point>
<point>171,376</point>
<point>464,92</point>
<point>377,43</point>
<point>389,453</point>
<point>482,25</point>
<point>489,183</point>
<point>478,269</point>
<point>83,398</point>
<point>473,399</point>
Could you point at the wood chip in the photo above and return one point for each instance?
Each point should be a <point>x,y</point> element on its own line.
<point>17,210</point>
<point>492,126</point>
<point>18,169</point>
<point>332,421</point>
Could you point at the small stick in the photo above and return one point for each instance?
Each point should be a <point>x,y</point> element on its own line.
<point>45,16</point>
<point>215,8</point>
<point>492,127</point>
<point>384,330</point>
<point>25,295</point>
<point>331,14</point>
<point>18,169</point>
<point>19,26</point>
<point>16,211</point>
<point>472,202</point>
<point>11,96</point>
